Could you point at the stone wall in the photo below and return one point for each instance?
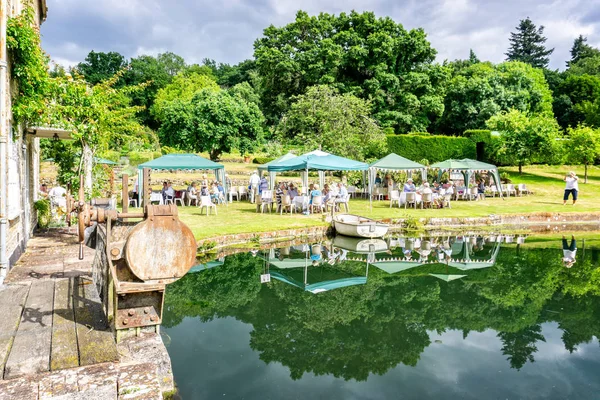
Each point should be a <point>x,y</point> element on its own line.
<point>22,160</point>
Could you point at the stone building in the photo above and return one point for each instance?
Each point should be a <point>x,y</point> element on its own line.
<point>19,154</point>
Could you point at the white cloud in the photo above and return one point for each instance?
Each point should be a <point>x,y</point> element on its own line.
<point>226,30</point>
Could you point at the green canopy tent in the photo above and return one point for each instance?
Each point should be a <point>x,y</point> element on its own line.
<point>447,277</point>
<point>264,167</point>
<point>468,167</point>
<point>467,263</point>
<point>318,161</point>
<point>181,162</point>
<point>394,162</point>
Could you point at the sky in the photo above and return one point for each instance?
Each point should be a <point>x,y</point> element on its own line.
<point>225,30</point>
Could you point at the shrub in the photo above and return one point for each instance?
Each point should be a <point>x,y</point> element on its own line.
<point>432,147</point>
<point>170,150</point>
<point>140,157</point>
<point>42,207</point>
<point>112,155</point>
<point>262,160</point>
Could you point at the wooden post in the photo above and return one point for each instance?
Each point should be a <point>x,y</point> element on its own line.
<point>125,194</point>
<point>146,194</point>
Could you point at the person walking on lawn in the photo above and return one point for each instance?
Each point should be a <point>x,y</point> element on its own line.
<point>572,187</point>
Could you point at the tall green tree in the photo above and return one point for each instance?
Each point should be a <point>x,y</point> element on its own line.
<point>527,45</point>
<point>183,87</point>
<point>372,58</point>
<point>583,146</point>
<point>99,66</point>
<point>479,91</point>
<point>154,73</point>
<point>340,124</point>
<point>214,121</point>
<point>581,50</point>
<point>525,138</point>
<point>577,99</point>
<point>588,65</point>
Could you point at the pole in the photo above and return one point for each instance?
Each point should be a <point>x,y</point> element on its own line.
<point>146,194</point>
<point>125,194</point>
<point>3,144</point>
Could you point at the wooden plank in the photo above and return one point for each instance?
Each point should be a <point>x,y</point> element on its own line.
<point>94,337</point>
<point>12,301</point>
<point>30,352</point>
<point>64,337</point>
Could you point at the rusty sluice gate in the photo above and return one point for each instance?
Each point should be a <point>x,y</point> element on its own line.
<point>134,260</point>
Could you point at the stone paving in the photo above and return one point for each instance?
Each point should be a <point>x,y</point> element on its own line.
<point>55,342</point>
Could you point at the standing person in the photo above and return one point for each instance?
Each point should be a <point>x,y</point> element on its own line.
<point>253,185</point>
<point>279,193</point>
<point>569,251</point>
<point>163,191</point>
<point>571,188</point>
<point>263,185</point>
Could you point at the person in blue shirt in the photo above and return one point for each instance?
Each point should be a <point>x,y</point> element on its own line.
<point>263,185</point>
<point>378,180</point>
<point>409,186</point>
<point>315,192</point>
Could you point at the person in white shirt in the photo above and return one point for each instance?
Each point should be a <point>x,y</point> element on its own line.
<point>253,185</point>
<point>572,187</point>
<point>426,189</point>
<point>169,192</point>
<point>569,251</point>
<point>58,196</point>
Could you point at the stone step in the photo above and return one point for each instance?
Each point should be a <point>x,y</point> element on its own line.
<point>95,340</point>
<point>30,352</point>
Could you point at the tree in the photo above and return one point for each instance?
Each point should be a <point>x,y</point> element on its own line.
<point>154,73</point>
<point>588,65</point>
<point>583,146</point>
<point>581,50</point>
<point>479,91</point>
<point>527,45</point>
<point>577,99</point>
<point>183,87</point>
<point>525,137</point>
<point>473,59</point>
<point>214,121</point>
<point>336,123</point>
<point>371,58</point>
<point>99,66</point>
<point>99,117</point>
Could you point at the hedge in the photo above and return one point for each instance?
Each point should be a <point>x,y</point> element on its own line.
<point>262,160</point>
<point>433,148</point>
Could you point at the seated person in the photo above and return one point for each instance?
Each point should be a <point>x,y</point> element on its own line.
<point>214,192</point>
<point>426,189</point>
<point>279,193</point>
<point>409,186</point>
<point>169,192</point>
<point>436,187</point>
<point>164,190</point>
<point>342,193</point>
<point>314,193</point>
<point>193,192</point>
<point>292,191</point>
<point>326,193</point>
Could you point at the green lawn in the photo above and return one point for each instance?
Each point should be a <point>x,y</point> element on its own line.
<point>545,182</point>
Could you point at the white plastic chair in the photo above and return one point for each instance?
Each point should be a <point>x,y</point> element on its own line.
<point>494,190</point>
<point>132,200</point>
<point>521,188</point>
<point>181,198</point>
<point>352,190</point>
<point>205,201</point>
<point>286,203</point>
<point>473,193</point>
<point>233,193</point>
<point>510,188</point>
<point>317,202</point>
<point>394,197</point>
<point>411,198</point>
<point>242,191</point>
<point>345,201</point>
<point>377,193</point>
<point>427,198</point>
<point>447,198</point>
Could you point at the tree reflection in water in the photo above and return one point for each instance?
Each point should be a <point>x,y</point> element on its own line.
<point>358,330</point>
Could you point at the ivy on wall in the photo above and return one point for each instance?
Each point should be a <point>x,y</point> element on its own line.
<point>29,67</point>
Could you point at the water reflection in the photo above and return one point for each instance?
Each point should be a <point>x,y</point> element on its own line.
<point>350,309</point>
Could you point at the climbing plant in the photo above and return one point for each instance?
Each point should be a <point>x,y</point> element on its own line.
<point>29,67</point>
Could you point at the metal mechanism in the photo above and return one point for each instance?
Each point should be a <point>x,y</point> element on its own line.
<point>139,259</point>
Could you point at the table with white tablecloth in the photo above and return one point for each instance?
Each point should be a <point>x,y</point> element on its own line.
<point>403,198</point>
<point>156,197</point>
<point>300,202</point>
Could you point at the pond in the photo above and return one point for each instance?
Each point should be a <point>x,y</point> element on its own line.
<point>471,316</point>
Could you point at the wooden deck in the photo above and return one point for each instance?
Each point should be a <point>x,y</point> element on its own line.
<point>50,313</point>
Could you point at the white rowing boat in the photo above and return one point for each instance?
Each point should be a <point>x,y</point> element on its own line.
<point>357,226</point>
<point>360,245</point>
